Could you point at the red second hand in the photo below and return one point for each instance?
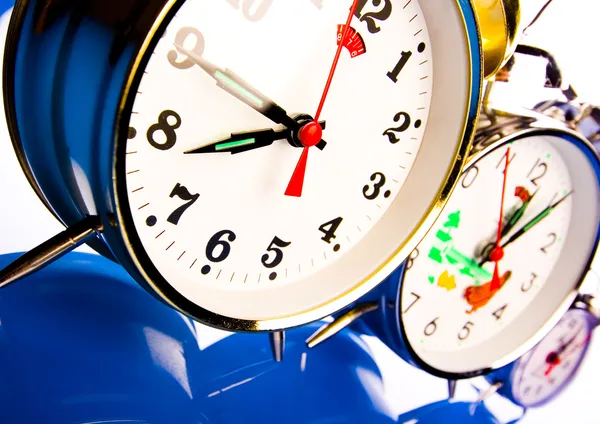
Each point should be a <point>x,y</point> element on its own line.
<point>498,253</point>
<point>311,133</point>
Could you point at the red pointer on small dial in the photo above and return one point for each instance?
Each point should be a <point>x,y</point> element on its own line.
<point>311,133</point>
<point>498,253</point>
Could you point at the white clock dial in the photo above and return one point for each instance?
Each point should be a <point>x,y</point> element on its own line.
<point>452,306</point>
<point>216,142</point>
<point>548,368</point>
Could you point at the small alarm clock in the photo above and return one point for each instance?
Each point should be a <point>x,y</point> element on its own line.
<point>545,371</point>
<point>506,259</point>
<point>174,136</point>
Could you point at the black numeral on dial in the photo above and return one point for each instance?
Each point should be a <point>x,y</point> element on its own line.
<point>183,193</point>
<point>329,229</point>
<point>166,128</point>
<point>372,193</point>
<point>538,172</point>
<point>469,176</point>
<point>498,314</point>
<point>404,58</point>
<point>553,238</point>
<point>394,73</point>
<point>182,36</point>
<point>219,246</point>
<point>372,18</point>
<point>431,328</point>
<point>502,162</point>
<point>410,262</point>
<point>274,248</point>
<point>415,300</point>
<point>528,285</point>
<point>404,120</point>
<point>466,331</point>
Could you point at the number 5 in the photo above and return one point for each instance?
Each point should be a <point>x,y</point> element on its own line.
<point>274,247</point>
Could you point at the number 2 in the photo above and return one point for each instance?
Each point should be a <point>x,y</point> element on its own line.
<point>371,17</point>
<point>391,132</point>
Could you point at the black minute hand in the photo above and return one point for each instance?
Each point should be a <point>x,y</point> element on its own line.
<point>237,87</point>
<point>516,217</point>
<point>536,220</point>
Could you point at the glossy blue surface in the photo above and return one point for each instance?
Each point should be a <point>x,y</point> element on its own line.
<point>449,412</point>
<point>80,342</point>
<point>337,383</point>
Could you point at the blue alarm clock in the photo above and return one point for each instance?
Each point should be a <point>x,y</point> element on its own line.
<point>544,372</point>
<point>80,342</point>
<point>173,136</point>
<point>505,261</point>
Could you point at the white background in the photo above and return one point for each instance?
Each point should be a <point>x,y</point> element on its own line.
<point>569,31</point>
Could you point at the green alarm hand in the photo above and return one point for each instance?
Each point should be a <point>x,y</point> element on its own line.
<point>445,251</point>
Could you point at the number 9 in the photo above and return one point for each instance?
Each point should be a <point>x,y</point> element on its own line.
<point>180,39</point>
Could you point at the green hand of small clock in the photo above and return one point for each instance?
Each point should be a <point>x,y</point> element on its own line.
<point>536,220</point>
<point>468,265</point>
<point>250,140</point>
<point>516,217</point>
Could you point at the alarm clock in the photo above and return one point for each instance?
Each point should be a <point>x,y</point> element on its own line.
<point>84,343</point>
<point>174,138</point>
<point>505,260</point>
<point>544,372</point>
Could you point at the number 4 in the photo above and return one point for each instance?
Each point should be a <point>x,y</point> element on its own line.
<point>329,229</point>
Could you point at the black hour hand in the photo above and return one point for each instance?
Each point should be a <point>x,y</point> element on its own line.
<point>250,140</point>
<point>242,142</point>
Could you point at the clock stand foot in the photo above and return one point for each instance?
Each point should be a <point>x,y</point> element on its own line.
<point>277,344</point>
<point>50,250</point>
<point>331,329</point>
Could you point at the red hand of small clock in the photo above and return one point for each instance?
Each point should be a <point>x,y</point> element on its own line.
<point>559,355</point>
<point>498,253</point>
<point>311,133</point>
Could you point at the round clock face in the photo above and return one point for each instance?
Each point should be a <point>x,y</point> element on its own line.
<point>548,368</point>
<point>240,202</point>
<point>460,312</point>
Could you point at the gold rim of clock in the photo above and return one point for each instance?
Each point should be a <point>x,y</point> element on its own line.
<point>500,22</point>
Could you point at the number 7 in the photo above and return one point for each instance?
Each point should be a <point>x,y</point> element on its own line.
<point>183,193</point>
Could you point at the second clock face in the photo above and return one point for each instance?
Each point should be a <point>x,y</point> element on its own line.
<point>449,302</point>
<point>546,370</point>
<point>220,222</point>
